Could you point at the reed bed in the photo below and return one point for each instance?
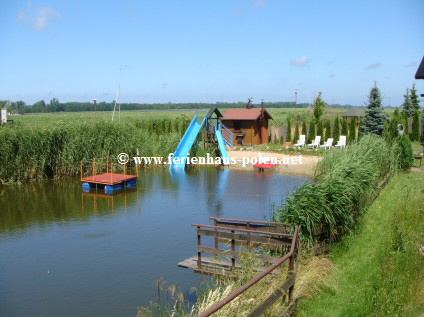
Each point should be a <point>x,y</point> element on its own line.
<point>38,152</point>
<point>342,189</point>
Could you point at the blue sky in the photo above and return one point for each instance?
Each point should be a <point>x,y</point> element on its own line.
<point>209,50</point>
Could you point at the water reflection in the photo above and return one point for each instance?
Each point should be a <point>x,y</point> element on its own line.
<point>90,254</point>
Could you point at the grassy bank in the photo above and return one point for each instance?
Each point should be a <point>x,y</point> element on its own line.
<point>378,269</point>
<point>342,189</point>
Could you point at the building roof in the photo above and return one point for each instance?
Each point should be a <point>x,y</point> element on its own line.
<point>420,71</point>
<point>245,114</point>
<point>353,112</point>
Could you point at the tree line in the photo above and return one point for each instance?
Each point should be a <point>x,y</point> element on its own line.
<point>54,105</point>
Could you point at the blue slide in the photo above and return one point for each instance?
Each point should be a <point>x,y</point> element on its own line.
<point>221,145</point>
<point>187,142</point>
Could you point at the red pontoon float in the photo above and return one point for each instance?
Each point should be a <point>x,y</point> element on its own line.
<point>264,166</point>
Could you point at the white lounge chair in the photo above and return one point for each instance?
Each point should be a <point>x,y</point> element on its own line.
<point>316,142</point>
<point>328,144</point>
<point>301,142</point>
<point>342,142</point>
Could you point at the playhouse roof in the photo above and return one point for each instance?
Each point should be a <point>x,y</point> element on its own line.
<point>245,114</point>
<point>420,71</point>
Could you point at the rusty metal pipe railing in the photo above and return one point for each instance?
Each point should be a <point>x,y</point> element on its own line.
<point>244,230</point>
<point>214,308</point>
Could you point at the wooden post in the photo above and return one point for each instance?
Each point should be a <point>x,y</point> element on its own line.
<point>291,271</point>
<point>233,249</point>
<point>248,237</point>
<point>199,254</point>
<point>215,223</point>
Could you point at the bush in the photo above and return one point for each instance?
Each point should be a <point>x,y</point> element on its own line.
<point>402,150</point>
<point>339,194</point>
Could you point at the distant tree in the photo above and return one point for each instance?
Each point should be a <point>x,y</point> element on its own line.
<point>415,134</point>
<point>344,128</point>
<point>320,131</point>
<point>406,106</point>
<point>40,106</point>
<point>311,135</point>
<point>374,119</point>
<point>327,130</point>
<point>318,106</point>
<point>19,106</point>
<point>336,129</point>
<point>415,105</point>
<point>288,136</point>
<point>352,130</point>
<point>296,132</point>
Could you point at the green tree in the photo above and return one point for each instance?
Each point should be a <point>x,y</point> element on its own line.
<point>336,129</point>
<point>374,119</point>
<point>311,135</point>
<point>344,128</point>
<point>288,136</point>
<point>304,131</point>
<point>415,134</point>
<point>406,106</point>
<point>296,132</point>
<point>320,131</point>
<point>327,130</point>
<point>415,106</point>
<point>318,106</point>
<point>352,130</point>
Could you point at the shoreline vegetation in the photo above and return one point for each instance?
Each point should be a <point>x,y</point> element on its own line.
<point>336,202</point>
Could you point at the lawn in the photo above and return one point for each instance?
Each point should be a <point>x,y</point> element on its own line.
<point>378,269</point>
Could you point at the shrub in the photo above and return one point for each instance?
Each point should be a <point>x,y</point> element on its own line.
<point>340,192</point>
<point>402,150</point>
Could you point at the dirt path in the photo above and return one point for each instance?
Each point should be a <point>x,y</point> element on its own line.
<point>289,164</point>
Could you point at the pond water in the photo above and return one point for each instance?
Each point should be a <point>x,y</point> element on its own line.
<point>68,253</point>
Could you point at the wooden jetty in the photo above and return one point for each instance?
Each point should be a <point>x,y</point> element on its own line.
<point>238,237</point>
<point>250,235</point>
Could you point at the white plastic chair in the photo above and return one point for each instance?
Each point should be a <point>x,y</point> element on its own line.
<point>316,142</point>
<point>328,144</point>
<point>342,142</point>
<point>301,142</point>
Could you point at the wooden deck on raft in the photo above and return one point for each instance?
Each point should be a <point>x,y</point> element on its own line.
<point>215,266</point>
<point>233,240</point>
<point>108,179</point>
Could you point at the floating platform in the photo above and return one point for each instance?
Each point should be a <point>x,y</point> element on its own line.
<point>111,182</point>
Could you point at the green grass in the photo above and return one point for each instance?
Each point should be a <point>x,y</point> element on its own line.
<point>279,115</point>
<point>379,271</point>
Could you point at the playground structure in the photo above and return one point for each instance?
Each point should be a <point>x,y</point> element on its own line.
<point>214,132</point>
<point>109,181</point>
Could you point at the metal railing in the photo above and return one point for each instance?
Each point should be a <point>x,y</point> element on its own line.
<point>227,135</point>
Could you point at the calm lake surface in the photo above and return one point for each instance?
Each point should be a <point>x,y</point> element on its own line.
<point>68,253</point>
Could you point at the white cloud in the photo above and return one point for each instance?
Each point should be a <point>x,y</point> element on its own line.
<point>410,64</point>
<point>373,66</point>
<point>20,16</point>
<point>40,18</point>
<point>300,61</point>
<point>259,3</point>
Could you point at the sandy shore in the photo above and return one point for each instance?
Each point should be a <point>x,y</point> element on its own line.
<point>303,165</point>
